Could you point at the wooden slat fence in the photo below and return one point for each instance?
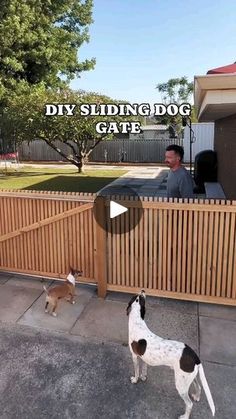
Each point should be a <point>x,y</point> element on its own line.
<point>43,233</point>
<point>179,249</point>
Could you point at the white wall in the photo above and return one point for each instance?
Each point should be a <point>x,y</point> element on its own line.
<point>203,139</point>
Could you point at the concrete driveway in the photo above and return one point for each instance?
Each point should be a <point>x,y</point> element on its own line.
<point>78,364</point>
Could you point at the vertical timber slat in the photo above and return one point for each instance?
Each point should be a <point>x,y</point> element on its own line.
<point>101,251</point>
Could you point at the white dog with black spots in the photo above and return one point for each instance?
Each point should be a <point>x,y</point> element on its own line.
<point>154,350</point>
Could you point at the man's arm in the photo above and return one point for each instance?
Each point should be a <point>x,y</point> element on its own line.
<point>186,186</point>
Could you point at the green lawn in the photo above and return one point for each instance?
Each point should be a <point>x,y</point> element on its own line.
<point>45,179</point>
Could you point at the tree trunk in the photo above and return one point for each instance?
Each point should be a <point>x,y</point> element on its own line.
<point>81,165</point>
<point>78,159</point>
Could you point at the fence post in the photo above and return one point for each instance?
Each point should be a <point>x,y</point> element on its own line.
<point>101,246</point>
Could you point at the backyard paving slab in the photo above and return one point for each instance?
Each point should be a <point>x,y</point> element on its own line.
<point>217,311</point>
<point>67,313</point>
<point>15,300</point>
<point>222,382</point>
<point>218,340</point>
<point>4,277</point>
<point>181,306</point>
<point>108,320</point>
<point>144,181</point>
<point>178,306</point>
<point>174,325</point>
<point>3,280</point>
<point>104,321</point>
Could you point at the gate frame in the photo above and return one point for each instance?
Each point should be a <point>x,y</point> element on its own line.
<point>100,250</point>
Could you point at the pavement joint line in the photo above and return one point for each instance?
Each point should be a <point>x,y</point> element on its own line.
<point>36,329</point>
<point>29,306</point>
<point>8,279</point>
<point>99,340</point>
<point>219,363</point>
<point>41,329</point>
<point>69,331</point>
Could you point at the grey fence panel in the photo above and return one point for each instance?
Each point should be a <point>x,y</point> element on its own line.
<point>133,151</point>
<point>107,151</point>
<point>39,150</point>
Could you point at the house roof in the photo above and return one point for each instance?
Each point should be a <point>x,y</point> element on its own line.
<point>227,69</point>
<point>215,95</point>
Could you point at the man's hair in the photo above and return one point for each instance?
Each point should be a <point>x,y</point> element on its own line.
<point>177,149</point>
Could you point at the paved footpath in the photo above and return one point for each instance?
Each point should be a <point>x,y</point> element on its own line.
<point>144,181</point>
<point>77,365</point>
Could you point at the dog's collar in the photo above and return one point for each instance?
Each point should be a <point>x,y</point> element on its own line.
<point>71,279</point>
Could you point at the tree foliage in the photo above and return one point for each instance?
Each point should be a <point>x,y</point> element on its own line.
<point>39,42</point>
<point>175,90</point>
<point>24,119</point>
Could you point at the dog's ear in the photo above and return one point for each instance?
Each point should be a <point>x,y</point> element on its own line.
<point>72,271</point>
<point>128,309</point>
<point>142,306</point>
<point>75,272</point>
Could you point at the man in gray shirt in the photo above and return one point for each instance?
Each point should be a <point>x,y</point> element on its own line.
<point>179,182</point>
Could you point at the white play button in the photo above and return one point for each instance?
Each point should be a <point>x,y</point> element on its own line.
<point>105,210</point>
<point>116,209</point>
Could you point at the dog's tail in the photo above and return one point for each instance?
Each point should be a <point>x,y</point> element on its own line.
<point>45,289</point>
<point>206,389</point>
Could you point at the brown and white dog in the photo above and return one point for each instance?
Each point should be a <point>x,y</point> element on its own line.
<point>66,290</point>
<point>151,349</point>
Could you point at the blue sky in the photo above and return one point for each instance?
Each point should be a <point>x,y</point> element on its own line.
<point>138,44</point>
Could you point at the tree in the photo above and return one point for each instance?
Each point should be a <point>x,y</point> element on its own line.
<point>176,90</point>
<point>24,119</point>
<point>39,41</point>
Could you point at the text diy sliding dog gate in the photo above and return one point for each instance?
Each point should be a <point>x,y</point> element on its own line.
<point>178,250</point>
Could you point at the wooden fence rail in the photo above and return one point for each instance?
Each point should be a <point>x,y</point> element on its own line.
<point>179,249</point>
